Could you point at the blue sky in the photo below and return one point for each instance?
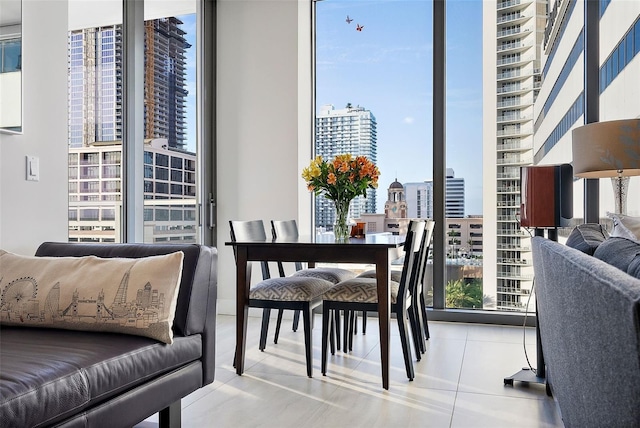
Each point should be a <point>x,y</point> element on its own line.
<point>387,69</point>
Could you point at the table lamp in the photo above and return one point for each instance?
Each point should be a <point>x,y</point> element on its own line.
<point>608,149</point>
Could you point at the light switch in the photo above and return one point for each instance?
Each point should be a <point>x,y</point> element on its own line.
<point>33,168</point>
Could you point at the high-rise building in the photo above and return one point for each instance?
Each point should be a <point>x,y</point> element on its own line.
<point>95,193</point>
<point>419,197</point>
<point>512,38</point>
<point>348,130</point>
<point>95,83</point>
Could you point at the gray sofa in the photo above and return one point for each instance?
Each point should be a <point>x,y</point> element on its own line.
<point>589,319</point>
<point>53,377</point>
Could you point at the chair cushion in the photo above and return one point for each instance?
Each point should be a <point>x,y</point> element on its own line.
<point>395,274</point>
<point>49,374</point>
<point>289,289</point>
<point>587,237</point>
<point>361,290</point>
<point>123,295</point>
<point>333,275</point>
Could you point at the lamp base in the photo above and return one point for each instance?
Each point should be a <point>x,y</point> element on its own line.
<point>620,188</point>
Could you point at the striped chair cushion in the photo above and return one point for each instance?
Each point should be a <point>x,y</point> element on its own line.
<point>395,275</point>
<point>289,289</point>
<point>333,275</point>
<point>361,290</point>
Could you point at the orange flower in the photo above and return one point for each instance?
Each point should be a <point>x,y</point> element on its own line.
<point>331,179</point>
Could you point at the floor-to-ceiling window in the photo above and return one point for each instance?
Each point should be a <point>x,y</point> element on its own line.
<point>169,142</point>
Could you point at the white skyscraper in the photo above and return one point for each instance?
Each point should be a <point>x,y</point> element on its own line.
<point>512,36</point>
<point>348,130</point>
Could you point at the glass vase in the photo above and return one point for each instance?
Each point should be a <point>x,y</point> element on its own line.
<point>340,228</point>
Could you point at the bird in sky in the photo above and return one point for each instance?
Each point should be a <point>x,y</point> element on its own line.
<point>359,27</point>
<point>349,20</point>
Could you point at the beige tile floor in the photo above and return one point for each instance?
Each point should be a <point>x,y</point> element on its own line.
<point>459,382</point>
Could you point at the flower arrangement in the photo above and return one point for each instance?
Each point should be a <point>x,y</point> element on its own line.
<point>344,178</point>
<point>340,181</point>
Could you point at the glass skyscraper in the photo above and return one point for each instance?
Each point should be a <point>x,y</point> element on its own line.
<point>95,83</point>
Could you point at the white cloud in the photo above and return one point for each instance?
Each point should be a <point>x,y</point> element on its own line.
<point>408,120</point>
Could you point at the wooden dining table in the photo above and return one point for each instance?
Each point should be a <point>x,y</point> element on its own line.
<point>378,249</point>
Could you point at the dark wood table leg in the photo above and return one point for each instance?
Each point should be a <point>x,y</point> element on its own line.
<point>384,310</point>
<point>243,281</point>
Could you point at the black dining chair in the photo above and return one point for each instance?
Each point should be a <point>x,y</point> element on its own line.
<point>296,293</point>
<point>419,303</point>
<point>288,229</point>
<point>360,294</point>
<point>421,328</point>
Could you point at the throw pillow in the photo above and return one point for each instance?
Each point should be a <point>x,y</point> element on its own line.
<point>625,226</point>
<point>618,252</point>
<point>587,237</point>
<point>131,296</point>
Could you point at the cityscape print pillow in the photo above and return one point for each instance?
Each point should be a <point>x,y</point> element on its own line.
<point>121,295</point>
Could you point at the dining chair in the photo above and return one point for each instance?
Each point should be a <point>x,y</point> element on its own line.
<point>419,299</point>
<point>360,294</point>
<point>421,329</point>
<point>288,229</point>
<point>297,293</point>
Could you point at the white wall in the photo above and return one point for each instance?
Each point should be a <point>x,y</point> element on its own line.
<point>263,123</point>
<point>32,212</point>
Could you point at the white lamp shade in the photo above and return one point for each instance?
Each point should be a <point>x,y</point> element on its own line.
<point>607,149</point>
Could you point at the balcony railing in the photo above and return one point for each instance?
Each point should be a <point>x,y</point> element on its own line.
<point>514,146</point>
<point>509,74</point>
<point>514,60</point>
<point>509,189</point>
<point>513,45</point>
<point>514,117</point>
<point>514,261</point>
<point>511,31</point>
<point>514,131</point>
<point>515,161</point>
<point>510,17</point>
<point>508,274</point>
<point>508,3</point>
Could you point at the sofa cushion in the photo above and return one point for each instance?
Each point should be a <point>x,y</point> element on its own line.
<point>587,237</point>
<point>50,374</point>
<point>618,252</point>
<point>131,296</point>
<point>625,226</point>
<point>634,267</point>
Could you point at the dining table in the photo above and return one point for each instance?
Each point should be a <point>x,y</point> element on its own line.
<point>378,249</point>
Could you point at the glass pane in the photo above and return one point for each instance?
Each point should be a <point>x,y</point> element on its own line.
<point>95,121</point>
<point>464,181</point>
<point>170,112</point>
<point>373,98</point>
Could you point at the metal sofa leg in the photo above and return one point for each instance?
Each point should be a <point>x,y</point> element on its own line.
<point>171,417</point>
